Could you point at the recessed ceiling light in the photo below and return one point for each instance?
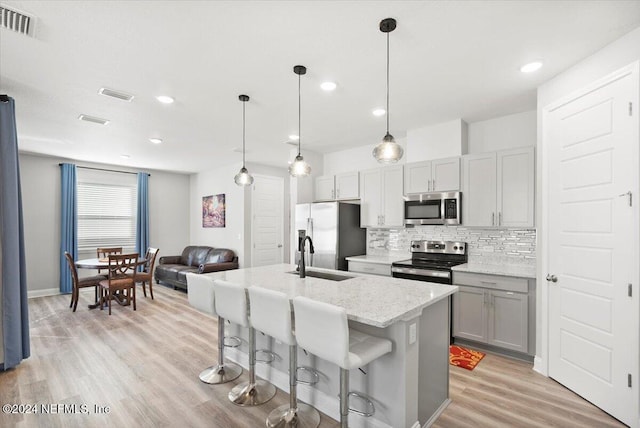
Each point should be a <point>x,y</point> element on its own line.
<point>155,140</point>
<point>294,137</point>
<point>531,67</point>
<point>328,86</point>
<point>125,156</point>
<point>379,112</point>
<point>165,99</point>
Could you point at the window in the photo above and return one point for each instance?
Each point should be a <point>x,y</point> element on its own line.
<point>106,209</point>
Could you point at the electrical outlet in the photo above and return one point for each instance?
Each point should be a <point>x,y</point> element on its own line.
<point>413,333</point>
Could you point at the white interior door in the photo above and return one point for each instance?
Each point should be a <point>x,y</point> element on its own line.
<point>267,221</point>
<point>593,160</point>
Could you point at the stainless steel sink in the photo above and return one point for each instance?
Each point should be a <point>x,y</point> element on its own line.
<point>324,275</point>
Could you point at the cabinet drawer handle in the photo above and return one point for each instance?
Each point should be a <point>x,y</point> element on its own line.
<point>510,293</point>
<point>488,282</point>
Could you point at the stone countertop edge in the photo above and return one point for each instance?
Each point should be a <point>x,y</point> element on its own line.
<point>380,307</point>
<point>502,270</point>
<point>380,260</point>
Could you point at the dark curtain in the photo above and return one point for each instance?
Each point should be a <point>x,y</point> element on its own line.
<point>13,278</point>
<point>142,217</point>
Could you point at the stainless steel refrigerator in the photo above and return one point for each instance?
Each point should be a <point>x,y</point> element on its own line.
<point>335,230</point>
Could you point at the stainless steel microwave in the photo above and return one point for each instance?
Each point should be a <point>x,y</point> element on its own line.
<point>433,208</point>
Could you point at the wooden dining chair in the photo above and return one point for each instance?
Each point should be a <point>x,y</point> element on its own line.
<point>78,283</point>
<point>147,272</point>
<point>122,278</point>
<point>105,252</point>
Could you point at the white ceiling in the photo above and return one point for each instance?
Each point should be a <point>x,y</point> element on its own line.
<point>449,59</point>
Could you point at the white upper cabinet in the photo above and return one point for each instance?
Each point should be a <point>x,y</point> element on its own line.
<point>440,175</point>
<point>498,188</point>
<point>337,187</point>
<point>325,188</point>
<point>516,188</point>
<point>381,203</point>
<point>348,185</point>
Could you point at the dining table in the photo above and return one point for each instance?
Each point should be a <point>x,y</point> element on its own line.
<point>103,263</point>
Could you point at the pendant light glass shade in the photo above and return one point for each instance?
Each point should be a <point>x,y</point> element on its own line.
<point>388,151</point>
<point>243,178</point>
<point>299,167</point>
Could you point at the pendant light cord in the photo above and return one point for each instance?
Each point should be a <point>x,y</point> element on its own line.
<point>299,115</point>
<point>387,82</point>
<point>243,132</point>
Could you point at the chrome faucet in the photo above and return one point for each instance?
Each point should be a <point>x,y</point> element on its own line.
<point>302,239</point>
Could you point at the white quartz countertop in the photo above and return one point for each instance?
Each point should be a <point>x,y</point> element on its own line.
<point>381,260</point>
<point>521,271</point>
<point>369,299</point>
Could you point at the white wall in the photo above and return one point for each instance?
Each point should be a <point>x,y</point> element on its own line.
<point>442,140</point>
<point>219,180</point>
<point>355,159</point>
<point>40,180</point>
<point>505,132</point>
<point>453,138</point>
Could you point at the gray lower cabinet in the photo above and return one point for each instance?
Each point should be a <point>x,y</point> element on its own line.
<point>492,316</point>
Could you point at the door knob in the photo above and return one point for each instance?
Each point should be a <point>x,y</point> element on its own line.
<point>279,245</point>
<point>552,278</point>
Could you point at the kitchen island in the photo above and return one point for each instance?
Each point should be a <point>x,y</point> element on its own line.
<point>409,384</point>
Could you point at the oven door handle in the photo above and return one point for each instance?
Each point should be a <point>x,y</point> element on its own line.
<point>422,272</point>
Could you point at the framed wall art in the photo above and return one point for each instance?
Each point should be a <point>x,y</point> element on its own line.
<point>213,211</point>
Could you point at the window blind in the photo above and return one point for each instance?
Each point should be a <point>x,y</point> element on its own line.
<point>106,211</point>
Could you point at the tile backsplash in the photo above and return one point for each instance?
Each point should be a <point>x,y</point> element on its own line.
<point>488,246</point>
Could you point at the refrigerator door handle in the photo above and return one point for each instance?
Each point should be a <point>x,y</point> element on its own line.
<point>310,231</point>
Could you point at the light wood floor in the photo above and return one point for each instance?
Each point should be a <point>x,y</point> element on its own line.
<point>144,366</point>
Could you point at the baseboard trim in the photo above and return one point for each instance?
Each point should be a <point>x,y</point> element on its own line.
<point>43,293</point>
<point>437,413</point>
<point>539,366</point>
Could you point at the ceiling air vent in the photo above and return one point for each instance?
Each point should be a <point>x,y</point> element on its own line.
<point>93,119</point>
<point>16,21</point>
<point>115,94</point>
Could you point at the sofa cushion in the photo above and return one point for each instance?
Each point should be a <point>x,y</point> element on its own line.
<point>220,255</point>
<point>171,272</point>
<point>194,255</point>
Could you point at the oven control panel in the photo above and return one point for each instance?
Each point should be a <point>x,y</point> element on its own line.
<point>443,247</point>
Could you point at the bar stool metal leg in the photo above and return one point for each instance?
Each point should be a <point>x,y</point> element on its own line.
<point>344,398</point>
<point>222,372</point>
<point>253,392</point>
<point>294,414</point>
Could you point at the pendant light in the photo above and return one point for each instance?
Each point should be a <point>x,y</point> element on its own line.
<point>388,151</point>
<point>243,178</point>
<point>299,168</point>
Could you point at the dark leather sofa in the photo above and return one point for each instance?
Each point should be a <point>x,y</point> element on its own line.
<point>198,259</point>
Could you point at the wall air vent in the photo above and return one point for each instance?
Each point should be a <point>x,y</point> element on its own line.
<point>93,119</point>
<point>115,94</point>
<point>16,21</point>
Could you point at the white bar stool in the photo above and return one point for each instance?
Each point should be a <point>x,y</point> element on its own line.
<point>271,314</point>
<point>232,303</point>
<point>322,329</point>
<point>200,292</point>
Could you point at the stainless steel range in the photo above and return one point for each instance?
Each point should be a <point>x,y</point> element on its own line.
<point>431,261</point>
